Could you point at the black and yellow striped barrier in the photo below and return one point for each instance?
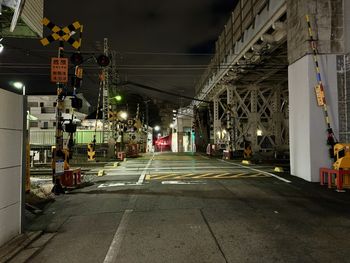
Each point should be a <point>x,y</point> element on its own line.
<point>91,152</point>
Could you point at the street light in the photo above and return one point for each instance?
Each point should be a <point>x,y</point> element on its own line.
<point>157,128</point>
<point>20,86</point>
<point>1,45</point>
<point>123,115</point>
<point>118,98</point>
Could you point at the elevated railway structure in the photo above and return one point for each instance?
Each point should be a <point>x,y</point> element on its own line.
<point>260,82</point>
<point>247,78</point>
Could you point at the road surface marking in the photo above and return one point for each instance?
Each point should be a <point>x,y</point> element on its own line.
<point>206,176</point>
<point>117,184</point>
<point>259,171</point>
<point>114,248</point>
<point>160,177</point>
<point>202,175</point>
<point>183,176</point>
<point>188,168</point>
<point>182,182</point>
<point>143,174</point>
<point>224,174</point>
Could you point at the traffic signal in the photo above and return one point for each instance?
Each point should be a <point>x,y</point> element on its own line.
<point>77,103</point>
<point>103,61</point>
<point>70,127</point>
<point>77,59</point>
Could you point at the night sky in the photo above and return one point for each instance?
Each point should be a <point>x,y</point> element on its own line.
<point>164,44</point>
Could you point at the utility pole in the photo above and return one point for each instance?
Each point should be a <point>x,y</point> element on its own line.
<point>105,101</point>
<point>59,75</point>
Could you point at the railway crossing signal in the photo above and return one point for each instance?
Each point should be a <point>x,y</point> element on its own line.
<point>62,34</point>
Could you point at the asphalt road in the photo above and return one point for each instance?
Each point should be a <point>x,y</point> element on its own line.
<point>189,208</point>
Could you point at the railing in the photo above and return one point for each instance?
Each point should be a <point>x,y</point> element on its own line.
<point>241,19</point>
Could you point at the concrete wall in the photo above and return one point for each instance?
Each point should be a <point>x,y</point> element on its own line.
<point>308,149</point>
<point>11,141</point>
<point>347,26</point>
<point>327,20</point>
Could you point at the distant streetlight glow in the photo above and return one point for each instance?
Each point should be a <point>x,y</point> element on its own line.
<point>118,98</point>
<point>1,45</point>
<point>172,125</point>
<point>20,86</point>
<point>123,115</point>
<point>259,132</point>
<point>157,128</point>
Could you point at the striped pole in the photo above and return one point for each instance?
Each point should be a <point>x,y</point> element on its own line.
<point>331,140</point>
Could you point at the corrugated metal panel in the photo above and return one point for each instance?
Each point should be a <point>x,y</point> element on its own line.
<point>32,14</point>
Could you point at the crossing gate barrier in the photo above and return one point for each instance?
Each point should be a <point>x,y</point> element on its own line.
<point>132,150</point>
<point>71,177</point>
<point>341,178</point>
<point>121,156</point>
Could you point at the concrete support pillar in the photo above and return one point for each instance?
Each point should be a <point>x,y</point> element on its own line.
<point>308,130</point>
<point>308,149</point>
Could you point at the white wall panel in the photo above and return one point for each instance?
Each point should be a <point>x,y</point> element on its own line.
<point>10,179</point>
<point>11,137</point>
<point>11,143</point>
<point>10,110</point>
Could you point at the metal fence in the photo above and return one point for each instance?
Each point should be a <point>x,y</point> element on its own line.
<point>47,137</point>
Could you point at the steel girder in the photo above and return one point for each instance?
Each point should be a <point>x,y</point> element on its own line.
<point>256,113</point>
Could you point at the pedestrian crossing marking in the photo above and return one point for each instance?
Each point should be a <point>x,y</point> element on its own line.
<point>226,175</point>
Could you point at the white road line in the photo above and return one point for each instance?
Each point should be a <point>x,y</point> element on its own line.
<point>187,168</point>
<point>260,171</point>
<point>115,246</point>
<point>117,184</point>
<point>143,174</point>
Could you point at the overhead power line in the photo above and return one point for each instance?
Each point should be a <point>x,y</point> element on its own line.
<point>162,91</point>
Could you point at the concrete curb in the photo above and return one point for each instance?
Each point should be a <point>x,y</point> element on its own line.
<point>16,245</point>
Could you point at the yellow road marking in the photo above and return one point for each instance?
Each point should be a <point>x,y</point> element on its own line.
<point>184,176</point>
<point>205,176</point>
<point>202,175</point>
<point>163,176</point>
<point>221,175</point>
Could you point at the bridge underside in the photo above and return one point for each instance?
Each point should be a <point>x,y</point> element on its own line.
<point>250,103</point>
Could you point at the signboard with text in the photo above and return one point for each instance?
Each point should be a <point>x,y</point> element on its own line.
<point>59,70</point>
